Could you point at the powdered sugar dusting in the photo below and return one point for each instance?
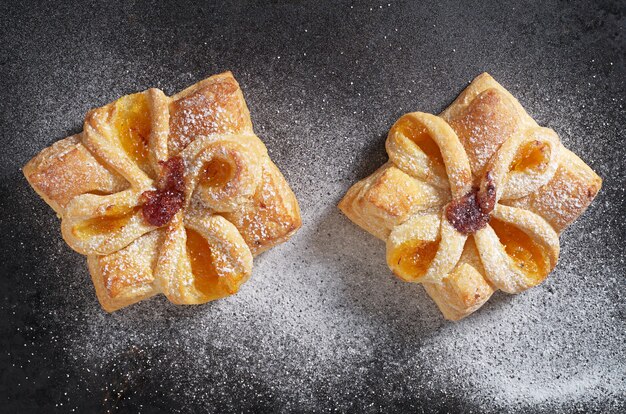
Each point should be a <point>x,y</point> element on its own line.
<point>321,325</point>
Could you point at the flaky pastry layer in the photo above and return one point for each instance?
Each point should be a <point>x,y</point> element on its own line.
<point>467,222</point>
<point>171,195</point>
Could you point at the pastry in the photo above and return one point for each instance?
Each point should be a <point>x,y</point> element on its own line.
<point>472,200</point>
<point>171,195</point>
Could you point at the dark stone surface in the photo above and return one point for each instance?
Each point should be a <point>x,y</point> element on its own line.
<point>324,81</point>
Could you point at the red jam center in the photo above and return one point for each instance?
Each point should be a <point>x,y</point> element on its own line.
<point>162,204</point>
<point>470,213</point>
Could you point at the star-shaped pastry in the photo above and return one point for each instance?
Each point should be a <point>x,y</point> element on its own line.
<point>472,200</point>
<point>171,195</point>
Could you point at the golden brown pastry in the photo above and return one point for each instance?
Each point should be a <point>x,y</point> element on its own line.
<point>171,195</point>
<point>472,200</point>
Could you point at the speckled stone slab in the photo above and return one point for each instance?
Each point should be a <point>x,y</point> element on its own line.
<point>322,325</point>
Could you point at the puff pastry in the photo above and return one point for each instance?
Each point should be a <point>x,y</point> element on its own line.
<point>171,195</point>
<point>472,200</point>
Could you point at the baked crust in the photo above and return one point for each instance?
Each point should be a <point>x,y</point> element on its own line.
<point>473,200</point>
<point>195,159</point>
<point>67,169</point>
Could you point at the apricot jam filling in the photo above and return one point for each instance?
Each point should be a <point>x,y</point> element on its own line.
<point>114,219</point>
<point>132,123</point>
<point>206,278</point>
<point>414,257</point>
<point>530,257</point>
<point>417,133</point>
<point>534,155</point>
<point>216,173</point>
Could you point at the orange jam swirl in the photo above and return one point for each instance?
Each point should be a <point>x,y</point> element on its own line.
<point>113,220</point>
<point>530,257</point>
<point>132,123</point>
<point>216,173</point>
<point>203,267</point>
<point>534,155</point>
<point>414,257</point>
<point>417,133</point>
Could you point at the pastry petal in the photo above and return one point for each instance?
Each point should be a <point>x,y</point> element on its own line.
<point>518,249</point>
<point>223,170</point>
<point>424,248</point>
<point>94,224</point>
<point>202,259</point>
<point>523,164</point>
<point>425,147</point>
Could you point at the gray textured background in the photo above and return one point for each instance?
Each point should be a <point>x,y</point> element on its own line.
<point>322,324</point>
